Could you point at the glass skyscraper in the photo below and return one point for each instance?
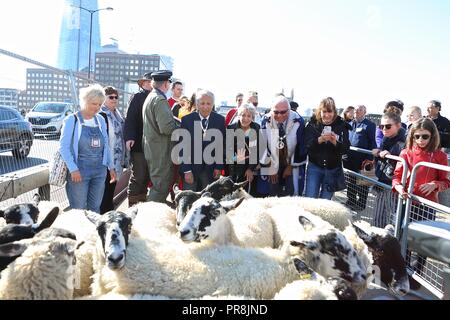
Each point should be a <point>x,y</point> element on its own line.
<point>73,49</point>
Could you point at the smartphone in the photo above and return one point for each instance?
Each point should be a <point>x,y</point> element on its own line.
<point>326,129</point>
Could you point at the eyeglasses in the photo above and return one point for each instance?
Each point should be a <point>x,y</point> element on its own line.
<point>280,112</point>
<point>113,97</point>
<point>423,136</point>
<point>385,126</point>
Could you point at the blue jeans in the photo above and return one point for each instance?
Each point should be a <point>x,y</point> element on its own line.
<point>88,193</point>
<point>319,181</point>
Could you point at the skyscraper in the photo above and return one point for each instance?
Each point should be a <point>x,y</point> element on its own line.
<point>74,38</point>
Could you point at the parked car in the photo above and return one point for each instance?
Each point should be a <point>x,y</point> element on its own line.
<point>15,133</point>
<point>46,118</point>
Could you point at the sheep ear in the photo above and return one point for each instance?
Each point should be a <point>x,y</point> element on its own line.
<point>176,189</point>
<point>306,223</point>
<point>13,249</point>
<point>2,214</point>
<point>304,245</point>
<point>362,234</point>
<point>36,198</point>
<point>231,204</point>
<point>79,244</point>
<point>237,186</point>
<point>301,267</point>
<point>48,220</point>
<point>132,213</point>
<point>92,216</point>
<point>390,229</point>
<point>206,194</point>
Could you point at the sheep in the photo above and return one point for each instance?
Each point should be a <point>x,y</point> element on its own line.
<point>24,213</point>
<point>222,189</point>
<point>154,219</point>
<point>325,248</point>
<point>315,287</point>
<point>44,270</point>
<point>212,222</point>
<point>386,252</point>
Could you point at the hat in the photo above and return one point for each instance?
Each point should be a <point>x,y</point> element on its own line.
<point>293,105</point>
<point>162,75</point>
<point>145,77</point>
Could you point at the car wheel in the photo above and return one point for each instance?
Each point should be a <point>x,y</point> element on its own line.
<point>23,147</point>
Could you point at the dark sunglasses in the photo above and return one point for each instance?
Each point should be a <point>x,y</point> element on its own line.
<point>280,112</point>
<point>423,136</point>
<point>113,97</point>
<point>385,126</point>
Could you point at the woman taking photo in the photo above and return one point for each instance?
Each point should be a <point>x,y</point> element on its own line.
<point>326,139</point>
<point>393,142</point>
<point>244,149</point>
<point>84,147</point>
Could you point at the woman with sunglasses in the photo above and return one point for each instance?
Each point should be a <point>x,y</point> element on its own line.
<point>114,127</point>
<point>392,144</point>
<point>422,146</point>
<point>326,139</point>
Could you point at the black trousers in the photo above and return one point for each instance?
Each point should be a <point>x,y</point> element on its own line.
<point>108,195</point>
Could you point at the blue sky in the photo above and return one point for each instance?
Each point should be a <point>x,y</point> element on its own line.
<point>355,51</point>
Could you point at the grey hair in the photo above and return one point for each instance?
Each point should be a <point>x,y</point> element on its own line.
<point>361,106</point>
<point>91,93</point>
<point>247,107</point>
<point>201,93</point>
<point>416,109</point>
<point>279,99</point>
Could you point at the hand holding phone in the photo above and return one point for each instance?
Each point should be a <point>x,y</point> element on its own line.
<point>326,130</point>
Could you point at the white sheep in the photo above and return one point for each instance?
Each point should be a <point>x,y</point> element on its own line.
<point>44,271</point>
<point>168,267</point>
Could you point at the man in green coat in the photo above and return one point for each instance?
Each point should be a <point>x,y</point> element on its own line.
<point>158,127</point>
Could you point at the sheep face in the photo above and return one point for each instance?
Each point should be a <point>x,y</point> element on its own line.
<point>219,189</point>
<point>203,220</point>
<point>113,228</point>
<point>25,213</point>
<point>387,256</point>
<point>330,253</point>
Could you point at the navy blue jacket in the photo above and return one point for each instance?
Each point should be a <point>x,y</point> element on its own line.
<point>133,128</point>
<point>215,121</point>
<point>362,135</point>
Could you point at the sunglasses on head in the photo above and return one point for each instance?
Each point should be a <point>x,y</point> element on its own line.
<point>423,136</point>
<point>385,126</point>
<point>113,97</point>
<point>280,112</point>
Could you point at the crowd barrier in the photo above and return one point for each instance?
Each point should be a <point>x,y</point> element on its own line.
<point>422,226</point>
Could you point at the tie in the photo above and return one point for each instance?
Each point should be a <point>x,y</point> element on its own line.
<point>204,123</point>
<point>281,131</point>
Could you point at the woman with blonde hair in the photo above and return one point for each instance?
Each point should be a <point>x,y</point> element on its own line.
<point>326,139</point>
<point>185,107</point>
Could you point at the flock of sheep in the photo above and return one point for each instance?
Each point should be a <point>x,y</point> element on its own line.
<point>219,243</point>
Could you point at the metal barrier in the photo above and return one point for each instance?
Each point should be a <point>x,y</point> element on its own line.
<point>426,238</point>
<point>372,193</point>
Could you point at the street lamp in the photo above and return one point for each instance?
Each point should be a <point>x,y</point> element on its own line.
<point>90,32</point>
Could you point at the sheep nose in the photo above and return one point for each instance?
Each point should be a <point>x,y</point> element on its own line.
<point>184,233</point>
<point>115,260</point>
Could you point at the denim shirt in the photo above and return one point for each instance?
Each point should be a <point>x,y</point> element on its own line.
<point>69,148</point>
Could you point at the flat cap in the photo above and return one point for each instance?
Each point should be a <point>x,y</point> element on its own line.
<point>145,77</point>
<point>162,75</point>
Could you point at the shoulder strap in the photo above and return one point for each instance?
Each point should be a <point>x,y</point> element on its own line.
<point>106,120</point>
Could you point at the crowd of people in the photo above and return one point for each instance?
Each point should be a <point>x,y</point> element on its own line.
<point>185,141</point>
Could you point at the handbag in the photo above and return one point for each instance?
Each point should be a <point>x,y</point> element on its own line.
<point>57,169</point>
<point>367,170</point>
<point>339,184</point>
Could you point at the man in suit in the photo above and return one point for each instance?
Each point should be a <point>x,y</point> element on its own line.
<point>442,123</point>
<point>361,135</point>
<point>197,171</point>
<point>158,127</point>
<point>139,179</point>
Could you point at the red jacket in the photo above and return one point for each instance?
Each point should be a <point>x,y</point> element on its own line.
<point>424,174</point>
<point>171,102</point>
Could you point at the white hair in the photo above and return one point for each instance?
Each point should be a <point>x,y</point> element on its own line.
<point>93,92</point>
<point>279,99</point>
<point>246,107</point>
<point>201,93</point>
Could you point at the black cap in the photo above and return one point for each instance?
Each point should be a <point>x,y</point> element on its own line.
<point>162,75</point>
<point>293,105</point>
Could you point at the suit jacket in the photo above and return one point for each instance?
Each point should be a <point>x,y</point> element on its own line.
<point>133,122</point>
<point>215,121</point>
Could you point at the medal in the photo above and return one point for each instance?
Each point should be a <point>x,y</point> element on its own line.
<point>280,144</point>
